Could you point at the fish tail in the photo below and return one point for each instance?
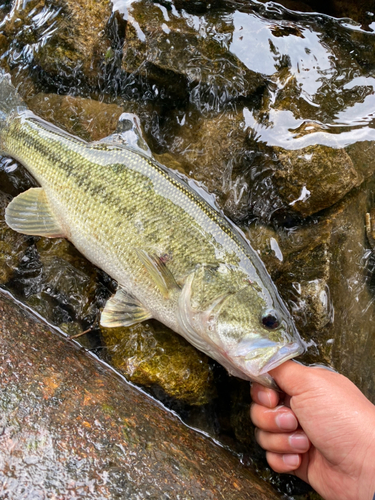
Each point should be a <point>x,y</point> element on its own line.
<point>10,101</point>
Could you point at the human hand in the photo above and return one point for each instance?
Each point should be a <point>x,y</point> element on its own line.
<point>324,433</point>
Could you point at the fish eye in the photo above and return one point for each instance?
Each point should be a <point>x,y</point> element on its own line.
<point>270,319</point>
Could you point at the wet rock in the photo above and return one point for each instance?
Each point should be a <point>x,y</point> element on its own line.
<point>214,152</point>
<point>12,245</point>
<point>362,155</point>
<point>125,445</point>
<point>150,354</point>
<point>315,177</point>
<point>65,287</point>
<point>220,153</point>
<point>67,39</point>
<point>174,51</point>
<point>89,119</point>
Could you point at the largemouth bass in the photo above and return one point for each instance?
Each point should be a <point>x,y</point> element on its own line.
<point>174,255</point>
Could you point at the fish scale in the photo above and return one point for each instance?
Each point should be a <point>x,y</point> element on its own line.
<point>175,256</point>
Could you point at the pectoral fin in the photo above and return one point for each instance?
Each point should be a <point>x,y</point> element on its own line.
<point>159,272</point>
<point>30,213</point>
<point>122,309</point>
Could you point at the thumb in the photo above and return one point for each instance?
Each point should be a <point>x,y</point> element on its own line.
<point>292,377</point>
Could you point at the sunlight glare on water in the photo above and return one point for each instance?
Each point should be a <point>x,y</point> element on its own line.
<point>301,54</point>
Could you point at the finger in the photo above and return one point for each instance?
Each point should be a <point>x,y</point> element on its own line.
<point>296,442</point>
<point>264,395</point>
<point>279,419</point>
<point>283,463</point>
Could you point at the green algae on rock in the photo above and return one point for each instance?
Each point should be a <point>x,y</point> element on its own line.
<point>152,355</point>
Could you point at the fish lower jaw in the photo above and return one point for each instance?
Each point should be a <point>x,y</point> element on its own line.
<point>285,353</point>
<point>264,379</point>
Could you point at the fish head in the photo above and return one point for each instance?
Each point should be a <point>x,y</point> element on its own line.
<point>254,333</point>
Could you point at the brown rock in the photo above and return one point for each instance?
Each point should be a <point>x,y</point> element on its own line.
<point>71,428</point>
<point>77,48</point>
<point>171,52</point>
<point>89,119</point>
<point>315,177</point>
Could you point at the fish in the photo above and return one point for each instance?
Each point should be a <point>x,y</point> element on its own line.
<point>173,253</point>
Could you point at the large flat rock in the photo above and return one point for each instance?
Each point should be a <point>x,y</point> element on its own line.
<point>70,428</point>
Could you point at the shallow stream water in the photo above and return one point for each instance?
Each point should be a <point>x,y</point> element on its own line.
<point>270,107</point>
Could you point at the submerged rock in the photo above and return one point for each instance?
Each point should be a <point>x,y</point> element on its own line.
<point>315,177</point>
<point>173,50</point>
<point>71,428</point>
<point>150,354</point>
<point>220,152</point>
<point>89,119</point>
<point>65,287</point>
<point>65,39</point>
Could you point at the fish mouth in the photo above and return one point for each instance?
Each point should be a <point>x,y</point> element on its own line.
<point>286,352</point>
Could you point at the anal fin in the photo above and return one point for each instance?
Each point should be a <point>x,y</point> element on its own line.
<point>122,309</point>
<point>30,213</point>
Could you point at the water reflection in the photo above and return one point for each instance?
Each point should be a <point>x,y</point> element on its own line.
<point>315,79</point>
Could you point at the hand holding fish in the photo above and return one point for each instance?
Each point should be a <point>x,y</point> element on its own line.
<point>324,433</point>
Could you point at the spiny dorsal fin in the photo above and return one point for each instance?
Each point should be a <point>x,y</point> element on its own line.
<point>159,272</point>
<point>30,213</point>
<point>122,309</point>
<point>129,135</point>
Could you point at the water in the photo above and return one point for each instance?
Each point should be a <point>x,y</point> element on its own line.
<point>271,109</point>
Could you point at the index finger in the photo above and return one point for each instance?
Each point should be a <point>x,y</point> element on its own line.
<point>264,395</point>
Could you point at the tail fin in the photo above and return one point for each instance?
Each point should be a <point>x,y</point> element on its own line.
<point>10,101</point>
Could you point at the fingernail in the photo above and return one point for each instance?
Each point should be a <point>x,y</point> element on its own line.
<point>286,421</point>
<point>264,398</point>
<point>291,460</point>
<point>299,442</point>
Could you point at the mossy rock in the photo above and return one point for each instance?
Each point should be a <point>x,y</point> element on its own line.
<point>150,354</point>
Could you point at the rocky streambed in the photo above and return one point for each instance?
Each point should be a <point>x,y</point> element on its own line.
<point>270,107</point>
